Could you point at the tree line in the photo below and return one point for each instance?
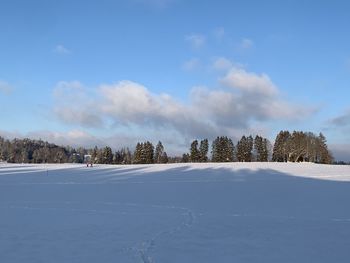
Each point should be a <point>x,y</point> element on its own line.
<point>297,146</point>
<point>38,151</point>
<point>223,149</point>
<point>301,146</point>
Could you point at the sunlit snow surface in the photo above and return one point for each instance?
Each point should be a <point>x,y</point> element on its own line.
<point>175,213</point>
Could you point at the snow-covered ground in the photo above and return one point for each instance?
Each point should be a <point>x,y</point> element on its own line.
<point>235,212</point>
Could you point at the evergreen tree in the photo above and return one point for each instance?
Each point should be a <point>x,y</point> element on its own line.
<point>216,150</point>
<point>325,155</point>
<point>138,153</point>
<point>222,150</point>
<point>258,148</point>
<point>264,156</point>
<point>194,152</point>
<point>261,149</point>
<point>123,156</point>
<point>100,157</point>
<point>159,153</point>
<point>295,147</point>
<point>94,155</point>
<point>185,158</point>
<point>164,158</point>
<point>241,149</point>
<point>248,149</point>
<point>148,152</point>
<point>144,153</point>
<point>229,150</point>
<point>118,157</point>
<point>203,150</point>
<point>280,149</point>
<point>127,156</point>
<point>107,155</point>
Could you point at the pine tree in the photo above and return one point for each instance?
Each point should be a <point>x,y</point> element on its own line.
<point>194,152</point>
<point>258,147</point>
<point>144,153</point>
<point>229,150</point>
<point>94,155</point>
<point>203,150</point>
<point>280,148</point>
<point>148,153</point>
<point>325,156</point>
<point>248,149</point>
<point>138,153</point>
<point>159,153</point>
<point>118,157</point>
<point>222,150</point>
<point>126,156</point>
<point>164,158</point>
<point>215,151</point>
<point>261,149</point>
<point>107,155</point>
<point>100,157</point>
<point>241,149</point>
<point>264,156</point>
<point>185,158</point>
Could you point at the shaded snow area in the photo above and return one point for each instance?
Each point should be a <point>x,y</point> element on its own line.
<point>233,212</point>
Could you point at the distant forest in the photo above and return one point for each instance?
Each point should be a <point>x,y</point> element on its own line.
<point>297,146</point>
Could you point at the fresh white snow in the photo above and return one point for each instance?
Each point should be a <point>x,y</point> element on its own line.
<point>231,212</point>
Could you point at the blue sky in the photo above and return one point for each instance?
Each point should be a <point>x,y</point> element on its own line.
<point>115,72</point>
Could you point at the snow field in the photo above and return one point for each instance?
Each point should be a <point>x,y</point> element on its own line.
<point>234,212</point>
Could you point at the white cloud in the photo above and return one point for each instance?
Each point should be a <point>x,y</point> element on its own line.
<point>60,49</point>
<point>128,102</point>
<point>242,103</point>
<point>196,40</point>
<point>74,105</point>
<point>245,103</point>
<point>222,63</point>
<point>74,138</point>
<point>5,87</point>
<point>129,112</point>
<point>246,43</point>
<point>219,33</point>
<point>260,97</point>
<point>191,64</point>
<point>83,117</point>
<point>249,82</point>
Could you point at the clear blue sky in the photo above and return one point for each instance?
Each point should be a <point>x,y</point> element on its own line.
<point>113,72</point>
